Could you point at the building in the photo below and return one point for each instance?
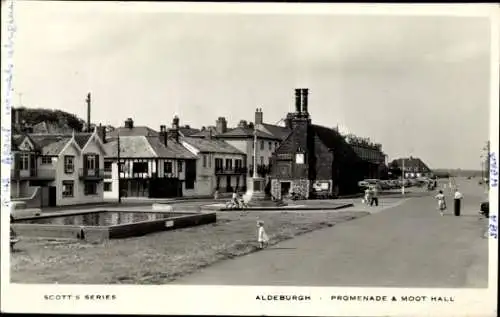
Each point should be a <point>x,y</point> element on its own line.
<point>57,169</point>
<point>242,137</point>
<point>220,166</point>
<point>412,167</point>
<point>315,161</point>
<point>153,165</point>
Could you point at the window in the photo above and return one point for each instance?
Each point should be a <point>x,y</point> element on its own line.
<point>140,167</point>
<point>108,186</point>
<point>179,166</point>
<point>229,164</point>
<point>46,160</point>
<point>261,145</point>
<point>167,168</point>
<point>90,188</point>
<point>189,183</point>
<point>204,160</point>
<point>67,188</point>
<point>24,161</point>
<point>270,146</point>
<point>69,164</point>
<point>90,161</point>
<point>218,163</point>
<point>107,166</point>
<point>121,167</point>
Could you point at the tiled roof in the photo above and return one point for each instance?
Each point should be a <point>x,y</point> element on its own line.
<point>56,147</point>
<point>188,131</point>
<point>277,131</point>
<point>145,147</point>
<point>212,145</point>
<point>135,131</point>
<point>172,150</point>
<point>413,163</point>
<point>82,138</point>
<point>43,140</point>
<point>241,132</point>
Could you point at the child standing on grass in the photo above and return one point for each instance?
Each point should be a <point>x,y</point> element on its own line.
<point>261,235</point>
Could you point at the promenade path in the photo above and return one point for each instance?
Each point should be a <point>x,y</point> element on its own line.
<point>403,243</point>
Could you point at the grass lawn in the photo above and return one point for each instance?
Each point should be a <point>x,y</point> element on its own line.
<point>160,257</point>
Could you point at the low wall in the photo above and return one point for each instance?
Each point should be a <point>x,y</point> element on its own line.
<point>142,228</point>
<point>99,234</point>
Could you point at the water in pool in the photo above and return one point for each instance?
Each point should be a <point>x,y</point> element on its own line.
<point>101,218</point>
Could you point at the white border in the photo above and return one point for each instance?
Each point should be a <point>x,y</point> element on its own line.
<point>224,300</point>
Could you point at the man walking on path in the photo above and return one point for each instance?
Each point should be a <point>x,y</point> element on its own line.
<point>458,198</point>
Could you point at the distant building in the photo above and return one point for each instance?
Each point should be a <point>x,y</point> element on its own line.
<point>152,164</point>
<point>220,166</point>
<point>317,161</point>
<point>57,169</point>
<point>413,167</point>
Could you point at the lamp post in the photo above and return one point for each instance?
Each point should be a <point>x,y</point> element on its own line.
<point>403,178</point>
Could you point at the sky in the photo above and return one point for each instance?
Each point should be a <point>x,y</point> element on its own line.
<point>420,85</point>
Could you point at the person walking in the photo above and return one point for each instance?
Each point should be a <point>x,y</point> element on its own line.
<point>441,202</point>
<point>374,196</point>
<point>457,202</point>
<point>368,196</point>
<point>262,237</point>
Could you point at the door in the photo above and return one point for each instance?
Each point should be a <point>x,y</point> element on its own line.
<point>285,188</point>
<point>52,196</point>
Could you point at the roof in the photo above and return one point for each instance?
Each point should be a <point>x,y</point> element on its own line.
<point>82,138</point>
<point>56,147</point>
<point>144,147</point>
<point>17,139</point>
<point>188,131</point>
<point>241,132</point>
<point>212,145</point>
<point>135,131</point>
<point>276,130</point>
<point>412,163</point>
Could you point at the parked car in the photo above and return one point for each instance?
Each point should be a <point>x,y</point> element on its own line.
<point>19,209</point>
<point>385,184</point>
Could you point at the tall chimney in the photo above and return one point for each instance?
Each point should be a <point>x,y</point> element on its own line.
<point>305,92</point>
<point>17,122</point>
<point>163,134</point>
<point>88,100</point>
<point>297,100</point>
<point>259,116</point>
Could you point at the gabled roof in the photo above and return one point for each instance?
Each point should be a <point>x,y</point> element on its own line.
<point>276,130</point>
<point>135,131</point>
<point>146,147</point>
<point>55,148</point>
<point>212,145</point>
<point>172,150</point>
<point>241,132</point>
<point>82,139</point>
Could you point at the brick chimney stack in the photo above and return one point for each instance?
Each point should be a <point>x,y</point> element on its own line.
<point>129,123</point>
<point>305,93</point>
<point>221,125</point>
<point>101,132</point>
<point>259,116</point>
<point>174,131</point>
<point>298,101</point>
<point>163,134</point>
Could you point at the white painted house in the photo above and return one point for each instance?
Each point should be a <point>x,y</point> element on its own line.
<point>58,169</point>
<point>220,166</point>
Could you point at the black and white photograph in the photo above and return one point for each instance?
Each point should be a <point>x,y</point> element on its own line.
<point>249,159</point>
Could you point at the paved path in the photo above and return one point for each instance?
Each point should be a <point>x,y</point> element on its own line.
<point>408,244</point>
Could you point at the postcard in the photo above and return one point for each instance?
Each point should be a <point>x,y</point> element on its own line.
<point>249,158</point>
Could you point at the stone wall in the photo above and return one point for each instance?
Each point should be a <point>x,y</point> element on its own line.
<point>298,186</point>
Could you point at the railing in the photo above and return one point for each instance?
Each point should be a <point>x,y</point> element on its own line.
<point>233,170</point>
<point>91,173</point>
<point>33,174</point>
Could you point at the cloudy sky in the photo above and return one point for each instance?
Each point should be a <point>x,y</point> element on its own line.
<point>418,85</point>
